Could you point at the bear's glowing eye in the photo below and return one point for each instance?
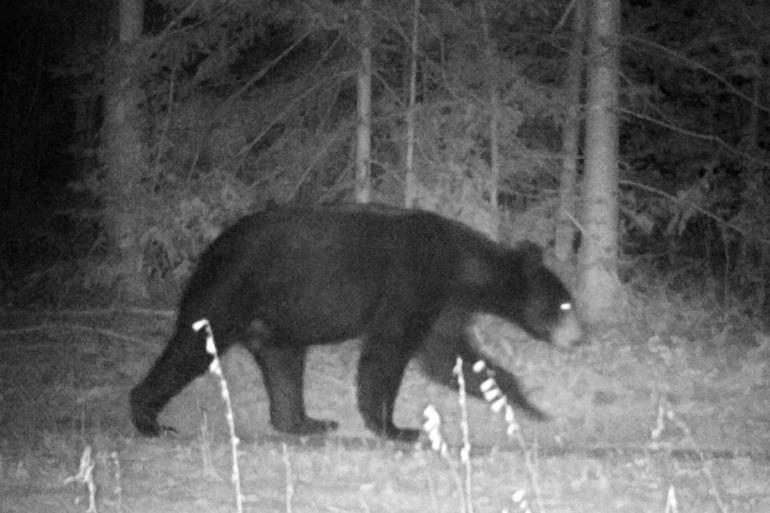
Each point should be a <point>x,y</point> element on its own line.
<point>565,307</point>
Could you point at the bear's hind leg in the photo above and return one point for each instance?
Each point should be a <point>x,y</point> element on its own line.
<point>283,371</point>
<point>183,359</point>
<point>379,377</point>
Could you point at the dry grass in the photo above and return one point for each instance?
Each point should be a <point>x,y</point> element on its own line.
<point>651,417</point>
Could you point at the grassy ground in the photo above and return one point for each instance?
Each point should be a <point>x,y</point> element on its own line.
<point>668,413</point>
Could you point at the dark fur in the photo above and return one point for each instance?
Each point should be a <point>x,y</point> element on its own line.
<point>318,276</point>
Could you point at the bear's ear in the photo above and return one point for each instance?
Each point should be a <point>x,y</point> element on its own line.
<point>531,254</point>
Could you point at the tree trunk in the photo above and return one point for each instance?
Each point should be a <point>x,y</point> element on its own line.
<point>124,156</point>
<point>565,226</point>
<point>410,191</point>
<point>363,186</point>
<point>494,114</point>
<point>597,279</point>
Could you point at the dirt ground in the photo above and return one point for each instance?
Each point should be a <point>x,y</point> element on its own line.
<point>648,418</point>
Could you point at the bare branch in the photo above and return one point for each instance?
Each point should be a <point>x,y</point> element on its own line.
<point>696,65</point>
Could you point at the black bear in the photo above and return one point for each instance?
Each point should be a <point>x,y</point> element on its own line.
<point>294,277</point>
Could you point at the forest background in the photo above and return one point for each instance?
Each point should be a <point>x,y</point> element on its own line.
<point>242,103</point>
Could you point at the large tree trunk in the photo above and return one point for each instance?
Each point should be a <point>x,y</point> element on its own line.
<point>565,226</point>
<point>364,128</point>
<point>597,280</point>
<point>124,156</point>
